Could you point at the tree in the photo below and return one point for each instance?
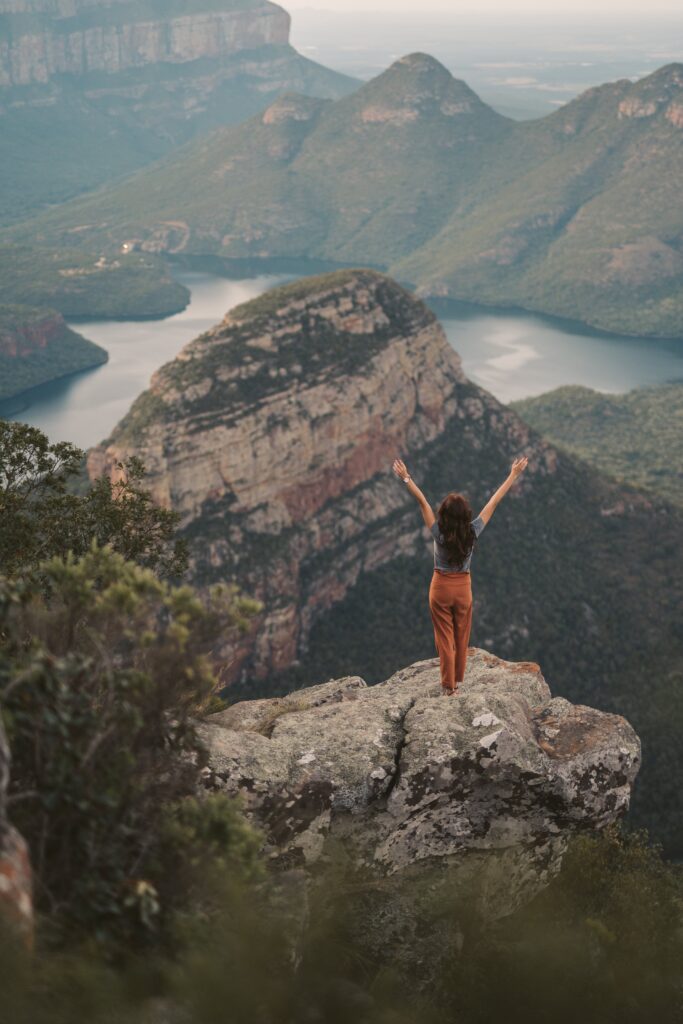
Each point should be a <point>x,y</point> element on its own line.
<point>43,517</point>
<point>103,671</point>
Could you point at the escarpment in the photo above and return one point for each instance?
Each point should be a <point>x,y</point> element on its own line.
<point>489,784</point>
<point>91,90</point>
<point>36,346</point>
<point>273,435</point>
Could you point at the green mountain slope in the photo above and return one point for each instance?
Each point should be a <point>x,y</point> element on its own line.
<point>576,214</point>
<point>89,93</point>
<point>36,346</point>
<point>78,284</point>
<point>636,438</point>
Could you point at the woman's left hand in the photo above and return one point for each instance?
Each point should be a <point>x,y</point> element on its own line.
<point>399,469</point>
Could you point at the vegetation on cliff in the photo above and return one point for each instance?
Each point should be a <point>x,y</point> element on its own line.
<point>636,438</point>
<point>37,346</point>
<point>574,214</point>
<point>94,92</point>
<point>79,284</point>
<point>43,518</point>
<point>602,943</point>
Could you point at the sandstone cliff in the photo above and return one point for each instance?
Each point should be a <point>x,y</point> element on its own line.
<point>37,346</point>
<point>273,436</point>
<point>44,40</point>
<point>90,91</point>
<point>487,785</point>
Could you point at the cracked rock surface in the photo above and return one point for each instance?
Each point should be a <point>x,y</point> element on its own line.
<point>406,775</point>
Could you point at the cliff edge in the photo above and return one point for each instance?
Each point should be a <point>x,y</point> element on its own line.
<point>503,773</point>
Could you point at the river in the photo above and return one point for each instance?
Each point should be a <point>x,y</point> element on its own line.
<point>512,354</point>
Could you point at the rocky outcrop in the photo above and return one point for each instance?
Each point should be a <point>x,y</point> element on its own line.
<point>21,337</point>
<point>272,436</point>
<point>16,903</point>
<point>36,346</point>
<point>79,39</point>
<point>499,776</point>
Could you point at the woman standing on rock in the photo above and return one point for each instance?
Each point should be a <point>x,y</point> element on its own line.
<point>450,594</point>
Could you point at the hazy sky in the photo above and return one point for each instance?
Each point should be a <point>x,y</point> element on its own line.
<point>565,9</point>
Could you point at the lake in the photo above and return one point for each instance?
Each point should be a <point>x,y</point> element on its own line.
<point>512,354</point>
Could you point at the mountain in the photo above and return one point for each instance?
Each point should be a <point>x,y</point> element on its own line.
<point>273,434</point>
<point>37,346</point>
<point>576,214</point>
<point>636,437</point>
<point>92,89</point>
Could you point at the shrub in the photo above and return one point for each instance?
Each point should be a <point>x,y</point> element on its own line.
<point>42,519</point>
<point>102,670</point>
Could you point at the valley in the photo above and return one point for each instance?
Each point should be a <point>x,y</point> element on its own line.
<point>575,214</point>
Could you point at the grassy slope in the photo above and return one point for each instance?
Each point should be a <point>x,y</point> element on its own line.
<point>66,353</point>
<point>636,438</point>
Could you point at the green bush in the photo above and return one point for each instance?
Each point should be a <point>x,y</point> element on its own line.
<point>602,944</point>
<point>41,518</point>
<point>103,668</point>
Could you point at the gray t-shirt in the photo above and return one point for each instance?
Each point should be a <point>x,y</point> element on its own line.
<point>441,555</point>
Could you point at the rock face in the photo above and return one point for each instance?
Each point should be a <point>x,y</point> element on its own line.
<point>16,904</point>
<point>37,346</point>
<point>503,773</point>
<point>77,39</point>
<point>93,90</point>
<point>272,436</point>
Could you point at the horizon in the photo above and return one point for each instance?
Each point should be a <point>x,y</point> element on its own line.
<point>573,11</point>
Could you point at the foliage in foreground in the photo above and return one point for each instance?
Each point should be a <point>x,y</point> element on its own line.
<point>42,519</point>
<point>103,668</point>
<point>603,944</point>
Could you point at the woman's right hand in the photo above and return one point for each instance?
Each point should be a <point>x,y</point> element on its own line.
<point>399,469</point>
<point>518,467</point>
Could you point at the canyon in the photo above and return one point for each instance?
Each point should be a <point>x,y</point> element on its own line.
<point>575,214</point>
<point>272,436</point>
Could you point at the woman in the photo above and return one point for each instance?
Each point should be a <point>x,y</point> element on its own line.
<point>450,594</point>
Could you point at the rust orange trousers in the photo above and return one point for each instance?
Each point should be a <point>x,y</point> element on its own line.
<point>450,602</point>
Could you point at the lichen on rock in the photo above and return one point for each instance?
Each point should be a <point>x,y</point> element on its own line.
<point>501,774</point>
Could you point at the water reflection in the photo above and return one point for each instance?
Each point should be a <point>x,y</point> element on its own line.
<point>512,354</point>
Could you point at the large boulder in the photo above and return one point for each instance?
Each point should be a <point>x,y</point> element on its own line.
<point>497,777</point>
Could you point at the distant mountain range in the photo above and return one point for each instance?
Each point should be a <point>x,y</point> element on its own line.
<point>91,90</point>
<point>577,214</point>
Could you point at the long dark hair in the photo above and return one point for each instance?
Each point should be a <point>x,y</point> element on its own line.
<point>454,518</point>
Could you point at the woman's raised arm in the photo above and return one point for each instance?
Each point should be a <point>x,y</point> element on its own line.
<point>425,508</point>
<point>518,467</point>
